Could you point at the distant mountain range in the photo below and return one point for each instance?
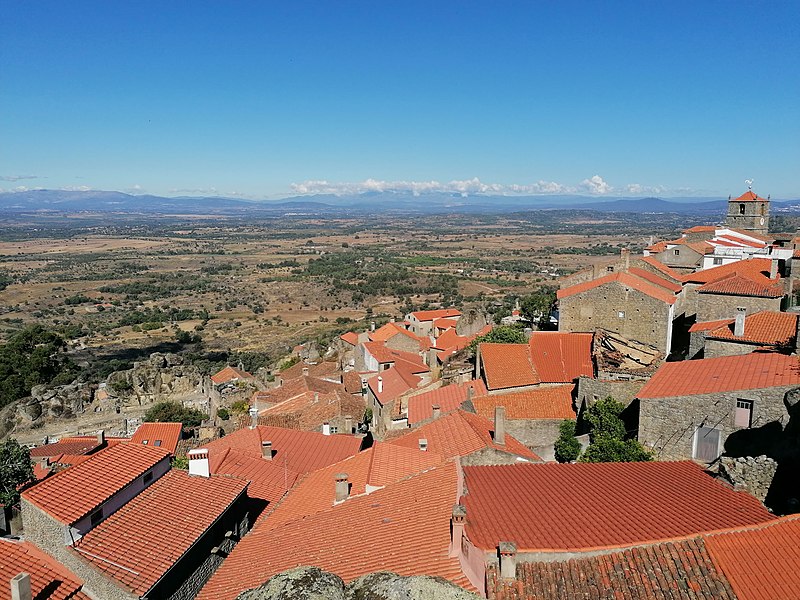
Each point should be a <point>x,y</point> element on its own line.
<point>65,202</point>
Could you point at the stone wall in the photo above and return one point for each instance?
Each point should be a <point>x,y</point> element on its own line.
<point>618,308</point>
<point>712,307</point>
<point>667,425</point>
<point>403,343</point>
<point>751,474</point>
<point>534,432</point>
<point>592,390</point>
<point>686,260</point>
<point>489,456</point>
<point>717,348</point>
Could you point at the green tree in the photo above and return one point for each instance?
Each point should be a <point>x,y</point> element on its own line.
<point>536,307</point>
<point>505,334</point>
<point>16,469</point>
<point>567,447</point>
<point>607,433</point>
<point>174,412</point>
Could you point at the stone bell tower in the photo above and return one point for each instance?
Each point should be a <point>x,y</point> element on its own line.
<point>748,212</point>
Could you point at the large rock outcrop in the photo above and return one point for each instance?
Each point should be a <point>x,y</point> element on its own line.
<point>160,377</point>
<point>312,583</point>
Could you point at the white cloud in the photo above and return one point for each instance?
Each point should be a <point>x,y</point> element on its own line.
<point>76,188</point>
<point>596,185</point>
<point>636,188</point>
<point>18,177</point>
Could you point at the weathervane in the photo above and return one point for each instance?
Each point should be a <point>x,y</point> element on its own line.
<point>749,183</point>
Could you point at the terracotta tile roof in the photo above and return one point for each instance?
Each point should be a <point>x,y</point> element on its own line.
<point>755,268</point>
<point>701,229</point>
<point>386,355</point>
<point>655,279</point>
<point>461,433</point>
<point>539,403</point>
<point>765,328</point>
<point>351,382</point>
<point>761,562</point>
<point>70,459</point>
<point>269,479</point>
<point>295,387</point>
<point>395,383</point>
<point>708,325</point>
<point>756,370</point>
<point>320,370</point>
<point>140,542</point>
<point>507,365</point>
<point>350,337</point>
<point>621,278</point>
<point>671,570</point>
<point>411,519</point>
<point>737,241</point>
<point>386,331</point>
<point>378,466</point>
<point>450,340</point>
<point>657,247</point>
<point>657,264</point>
<point>312,409</point>
<point>620,504</point>
<point>75,492</point>
<point>49,579</point>
<point>448,398</point>
<point>741,285</point>
<point>300,451</point>
<point>445,323</point>
<point>560,357</point>
<point>69,445</point>
<point>431,315</point>
<point>164,435</point>
<point>229,374</point>
<point>40,472</point>
<point>750,196</point>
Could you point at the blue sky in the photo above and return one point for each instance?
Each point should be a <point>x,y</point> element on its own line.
<point>268,99</point>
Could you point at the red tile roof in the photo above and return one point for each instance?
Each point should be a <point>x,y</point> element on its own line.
<point>445,323</point>
<point>164,435</point>
<point>655,279</point>
<point>741,285</point>
<point>539,403</point>
<point>229,374</point>
<point>620,504</point>
<point>77,491</point>
<point>391,384</point>
<point>269,479</point>
<point>387,331</point>
<point>750,196</point>
<point>657,264</point>
<point>764,328</point>
<point>312,409</point>
<point>667,571</point>
<point>761,562</point>
<point>701,229</point>
<point>448,398</point>
<point>657,247</point>
<point>754,268</point>
<point>320,370</point>
<point>386,355</point>
<point>621,278</point>
<point>411,520</point>
<point>507,365</point>
<point>708,325</point>
<point>351,382</point>
<point>49,579</point>
<point>350,337</point>
<point>300,451</point>
<point>430,315</point>
<point>461,433</point>
<point>560,357</point>
<point>69,445</point>
<point>756,370</point>
<point>140,542</point>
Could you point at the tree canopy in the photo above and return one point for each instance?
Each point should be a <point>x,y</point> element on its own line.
<point>567,447</point>
<point>607,434</point>
<point>16,469</point>
<point>505,334</point>
<point>174,412</point>
<point>536,307</point>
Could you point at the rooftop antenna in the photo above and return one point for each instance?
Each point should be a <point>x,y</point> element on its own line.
<point>749,183</point>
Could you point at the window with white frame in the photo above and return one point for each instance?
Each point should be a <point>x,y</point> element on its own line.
<point>744,413</point>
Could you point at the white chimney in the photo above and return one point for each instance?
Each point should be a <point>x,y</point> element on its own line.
<point>457,521</point>
<point>348,424</point>
<point>738,324</point>
<point>326,428</point>
<point>380,384</point>
<point>372,326</point>
<point>437,411</point>
<point>316,397</point>
<point>253,418</point>
<point>198,463</point>
<point>423,444</point>
<point>21,587</point>
<point>342,487</point>
<point>508,560</point>
<point>266,450</point>
<point>101,437</point>
<point>305,371</point>
<point>500,425</point>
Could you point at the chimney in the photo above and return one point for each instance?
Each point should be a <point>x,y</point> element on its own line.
<point>266,450</point>
<point>21,587</point>
<point>625,254</point>
<point>101,437</point>
<point>348,424</point>
<point>326,428</point>
<point>253,418</point>
<point>773,269</point>
<point>437,411</point>
<point>457,522</point>
<point>305,371</point>
<point>372,326</point>
<point>470,393</point>
<point>738,325</point>
<point>500,425</point>
<point>391,320</point>
<point>508,560</point>
<point>198,463</point>
<point>380,384</point>
<point>423,444</point>
<point>316,397</point>
<point>342,487</point>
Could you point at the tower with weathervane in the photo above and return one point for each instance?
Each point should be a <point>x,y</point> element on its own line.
<point>748,212</point>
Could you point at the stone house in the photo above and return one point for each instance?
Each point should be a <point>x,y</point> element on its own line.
<point>681,255</point>
<point>691,409</point>
<point>636,304</point>
<point>765,330</point>
<point>26,573</point>
<point>421,322</point>
<point>386,394</point>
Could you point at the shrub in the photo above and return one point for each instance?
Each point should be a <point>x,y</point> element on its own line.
<point>223,414</point>
<point>567,447</point>
<point>174,412</point>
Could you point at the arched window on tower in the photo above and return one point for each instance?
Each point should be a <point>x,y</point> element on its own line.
<point>741,209</point>
<point>763,210</point>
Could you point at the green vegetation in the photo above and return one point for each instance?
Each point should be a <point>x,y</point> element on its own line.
<point>505,334</point>
<point>16,469</point>
<point>607,434</point>
<point>567,447</point>
<point>174,412</point>
<point>180,462</point>
<point>536,307</point>
<point>289,362</point>
<point>223,414</point>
